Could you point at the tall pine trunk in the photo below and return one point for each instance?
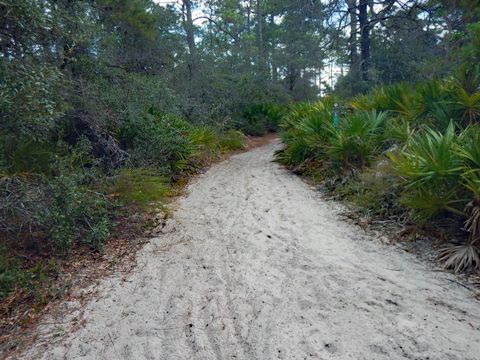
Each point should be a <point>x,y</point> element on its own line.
<point>189,29</point>
<point>272,55</point>
<point>260,37</point>
<point>364,38</point>
<point>352,41</point>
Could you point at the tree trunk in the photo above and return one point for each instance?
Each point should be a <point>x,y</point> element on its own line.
<point>352,41</point>
<point>320,81</point>
<point>189,29</point>
<point>364,38</point>
<point>249,14</point>
<point>273,63</point>
<point>292,77</point>
<point>260,43</point>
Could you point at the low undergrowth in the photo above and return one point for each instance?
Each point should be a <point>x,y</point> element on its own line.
<point>405,153</point>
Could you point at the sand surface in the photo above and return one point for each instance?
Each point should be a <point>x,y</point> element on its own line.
<point>260,267</point>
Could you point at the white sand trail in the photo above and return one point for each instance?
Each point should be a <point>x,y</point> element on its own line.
<point>260,267</point>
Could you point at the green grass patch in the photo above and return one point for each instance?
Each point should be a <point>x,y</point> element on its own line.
<point>231,140</point>
<point>209,144</point>
<point>140,187</point>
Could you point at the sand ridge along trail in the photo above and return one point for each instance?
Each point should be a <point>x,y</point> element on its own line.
<point>260,267</point>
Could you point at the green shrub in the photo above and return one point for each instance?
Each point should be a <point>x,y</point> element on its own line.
<point>122,96</point>
<point>30,101</point>
<point>260,119</point>
<point>309,134</point>
<point>59,207</point>
<point>460,257</point>
<point>158,140</point>
<point>398,132</point>
<point>466,105</point>
<point>467,77</point>
<point>76,213</point>
<point>441,174</point>
<point>307,130</point>
<point>375,190</point>
<point>433,103</point>
<point>231,140</point>
<point>31,156</point>
<point>295,153</point>
<point>398,99</point>
<point>358,140</point>
<point>431,170</point>
<point>205,144</point>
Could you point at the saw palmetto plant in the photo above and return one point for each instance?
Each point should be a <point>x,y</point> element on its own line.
<point>440,171</point>
<point>466,255</point>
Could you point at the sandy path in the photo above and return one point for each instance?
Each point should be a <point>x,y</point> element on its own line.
<point>260,267</point>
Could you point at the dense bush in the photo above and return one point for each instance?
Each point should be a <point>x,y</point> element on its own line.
<point>431,171</point>
<point>404,151</point>
<point>307,130</point>
<point>260,119</point>
<point>208,144</point>
<point>29,99</point>
<point>56,205</point>
<point>157,140</point>
<point>54,197</point>
<point>311,135</point>
<point>440,174</point>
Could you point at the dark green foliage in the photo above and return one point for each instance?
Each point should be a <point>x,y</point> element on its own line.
<point>309,134</point>
<point>358,139</point>
<point>76,213</point>
<point>470,52</point>
<point>306,131</point>
<point>58,204</point>
<point>431,171</point>
<point>261,119</point>
<point>440,172</point>
<point>157,140</point>
<point>29,98</point>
